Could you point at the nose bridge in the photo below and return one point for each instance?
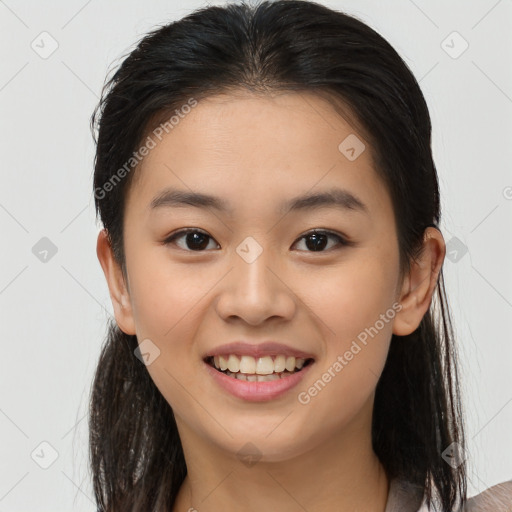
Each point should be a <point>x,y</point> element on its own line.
<point>251,267</point>
<point>254,292</point>
<point>250,250</point>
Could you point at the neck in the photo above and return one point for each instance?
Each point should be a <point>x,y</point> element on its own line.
<point>342,473</point>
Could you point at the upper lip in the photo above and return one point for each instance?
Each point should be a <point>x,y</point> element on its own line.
<point>266,348</point>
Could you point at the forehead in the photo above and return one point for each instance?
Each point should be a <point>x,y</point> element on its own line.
<point>246,146</point>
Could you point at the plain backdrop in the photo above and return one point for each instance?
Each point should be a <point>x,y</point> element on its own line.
<point>54,304</point>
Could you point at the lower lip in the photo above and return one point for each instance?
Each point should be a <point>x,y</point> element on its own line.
<point>257,391</point>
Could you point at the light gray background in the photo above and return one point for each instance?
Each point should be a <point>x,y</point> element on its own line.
<point>53,313</point>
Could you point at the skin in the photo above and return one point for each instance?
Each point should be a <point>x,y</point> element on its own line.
<point>255,152</point>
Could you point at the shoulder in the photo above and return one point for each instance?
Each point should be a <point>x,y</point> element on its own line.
<point>405,497</point>
<point>497,498</point>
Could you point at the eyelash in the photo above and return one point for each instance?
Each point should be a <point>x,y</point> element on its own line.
<point>341,240</point>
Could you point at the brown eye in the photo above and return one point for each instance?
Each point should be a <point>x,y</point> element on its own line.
<point>194,239</point>
<point>316,241</point>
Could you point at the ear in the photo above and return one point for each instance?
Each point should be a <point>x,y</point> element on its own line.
<point>419,285</point>
<point>117,287</point>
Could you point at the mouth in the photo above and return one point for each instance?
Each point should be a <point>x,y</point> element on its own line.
<point>260,369</point>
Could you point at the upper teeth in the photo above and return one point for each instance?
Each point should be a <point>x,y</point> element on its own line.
<point>261,365</point>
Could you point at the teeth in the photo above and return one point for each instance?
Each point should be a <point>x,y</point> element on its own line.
<point>264,366</point>
<point>256,378</point>
<point>247,364</point>
<point>290,364</point>
<point>279,363</point>
<point>223,363</point>
<point>233,364</point>
<point>249,367</point>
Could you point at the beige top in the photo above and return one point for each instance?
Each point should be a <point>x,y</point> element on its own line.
<point>407,497</point>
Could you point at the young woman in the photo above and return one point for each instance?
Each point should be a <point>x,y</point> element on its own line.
<point>271,243</point>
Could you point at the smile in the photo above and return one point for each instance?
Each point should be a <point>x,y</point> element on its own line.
<point>261,369</point>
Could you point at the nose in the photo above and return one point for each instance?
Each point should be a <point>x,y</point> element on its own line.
<point>255,291</point>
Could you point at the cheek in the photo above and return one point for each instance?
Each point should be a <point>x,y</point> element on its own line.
<point>165,296</point>
<point>168,304</point>
<point>356,305</point>
<point>353,298</point>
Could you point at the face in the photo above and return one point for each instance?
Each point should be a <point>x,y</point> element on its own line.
<point>262,264</point>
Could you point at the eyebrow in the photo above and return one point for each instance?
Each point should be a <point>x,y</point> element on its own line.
<point>334,197</point>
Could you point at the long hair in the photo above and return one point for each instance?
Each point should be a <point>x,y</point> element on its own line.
<point>288,45</point>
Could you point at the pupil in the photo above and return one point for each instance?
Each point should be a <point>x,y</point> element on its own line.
<point>200,240</point>
<point>318,241</point>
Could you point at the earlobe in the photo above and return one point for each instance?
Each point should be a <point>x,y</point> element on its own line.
<point>116,284</point>
<point>419,285</point>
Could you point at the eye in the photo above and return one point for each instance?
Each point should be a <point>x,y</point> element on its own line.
<point>317,240</point>
<point>195,239</point>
